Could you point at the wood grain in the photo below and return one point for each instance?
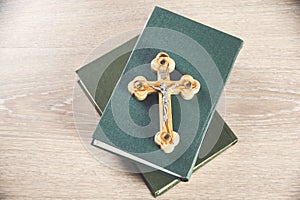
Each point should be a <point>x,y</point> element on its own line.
<point>43,42</point>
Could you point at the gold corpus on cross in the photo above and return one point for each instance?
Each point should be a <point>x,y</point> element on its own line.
<point>187,86</point>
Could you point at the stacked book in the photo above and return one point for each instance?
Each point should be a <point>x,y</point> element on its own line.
<point>128,127</point>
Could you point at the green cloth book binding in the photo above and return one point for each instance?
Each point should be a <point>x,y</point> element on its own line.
<point>126,128</point>
<point>98,79</point>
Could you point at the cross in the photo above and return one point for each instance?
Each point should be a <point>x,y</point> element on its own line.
<point>140,87</point>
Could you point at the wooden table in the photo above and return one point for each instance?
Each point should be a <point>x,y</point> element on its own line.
<point>42,43</point>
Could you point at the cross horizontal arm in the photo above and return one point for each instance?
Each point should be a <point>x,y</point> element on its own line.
<point>141,88</point>
<point>187,87</point>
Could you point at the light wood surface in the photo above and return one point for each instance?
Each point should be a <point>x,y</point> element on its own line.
<point>42,43</point>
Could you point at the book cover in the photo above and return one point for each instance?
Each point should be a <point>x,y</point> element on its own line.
<point>203,52</point>
<point>98,79</point>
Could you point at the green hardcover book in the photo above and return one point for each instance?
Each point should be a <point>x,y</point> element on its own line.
<point>126,125</point>
<point>98,79</point>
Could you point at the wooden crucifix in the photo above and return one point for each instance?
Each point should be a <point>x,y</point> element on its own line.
<point>140,87</point>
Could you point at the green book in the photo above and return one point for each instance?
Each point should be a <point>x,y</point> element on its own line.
<point>126,125</point>
<point>98,79</point>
